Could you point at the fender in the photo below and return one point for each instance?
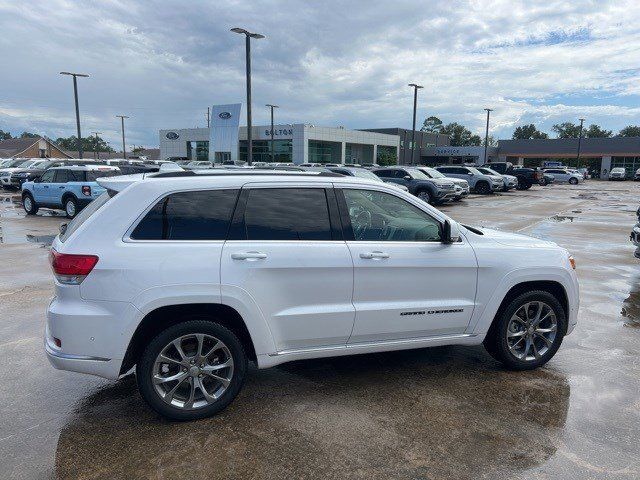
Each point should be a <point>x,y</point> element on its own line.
<point>484,314</point>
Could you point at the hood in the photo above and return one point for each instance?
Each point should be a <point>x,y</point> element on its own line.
<point>510,177</point>
<point>513,239</point>
<point>442,182</point>
<point>10,170</point>
<point>459,181</point>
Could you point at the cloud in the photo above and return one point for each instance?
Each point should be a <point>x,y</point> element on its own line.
<point>328,63</point>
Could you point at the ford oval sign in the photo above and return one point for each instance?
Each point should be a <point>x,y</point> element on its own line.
<point>172,135</point>
<point>224,115</point>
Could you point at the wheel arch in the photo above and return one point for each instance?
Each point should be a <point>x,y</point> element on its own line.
<point>66,195</point>
<point>168,315</point>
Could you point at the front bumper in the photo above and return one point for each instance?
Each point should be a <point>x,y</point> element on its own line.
<point>5,181</point>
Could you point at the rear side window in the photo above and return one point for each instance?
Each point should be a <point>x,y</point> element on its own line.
<point>92,175</point>
<point>287,214</point>
<point>200,215</point>
<point>62,176</point>
<point>84,215</point>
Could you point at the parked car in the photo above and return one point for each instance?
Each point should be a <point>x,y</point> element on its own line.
<point>509,181</point>
<point>19,176</point>
<point>194,277</point>
<point>562,175</point>
<point>527,177</point>
<point>478,182</point>
<point>462,186</point>
<point>585,172</point>
<point>69,188</point>
<point>430,190</point>
<point>363,173</point>
<point>618,173</point>
<point>18,164</point>
<point>547,179</point>
<point>636,176</point>
<point>634,237</point>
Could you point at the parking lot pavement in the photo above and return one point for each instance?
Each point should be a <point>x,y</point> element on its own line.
<point>436,413</point>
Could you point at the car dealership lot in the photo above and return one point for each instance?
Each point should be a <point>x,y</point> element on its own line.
<point>440,413</point>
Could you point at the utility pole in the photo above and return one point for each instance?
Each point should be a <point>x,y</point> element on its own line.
<point>273,155</point>
<point>579,143</point>
<point>486,135</point>
<point>413,131</point>
<point>208,117</point>
<point>248,36</point>
<point>124,148</point>
<point>95,146</point>
<point>75,94</point>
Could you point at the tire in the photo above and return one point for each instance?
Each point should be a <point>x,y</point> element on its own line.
<point>483,188</point>
<point>424,195</point>
<point>540,351</point>
<point>573,181</point>
<point>29,204</point>
<point>230,351</point>
<point>543,182</point>
<point>70,205</point>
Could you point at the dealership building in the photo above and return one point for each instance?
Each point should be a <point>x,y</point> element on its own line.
<point>296,143</point>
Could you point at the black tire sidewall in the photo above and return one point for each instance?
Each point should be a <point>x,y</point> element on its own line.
<point>497,344</point>
<point>144,368</point>
<point>573,181</point>
<point>34,207</point>
<point>426,195</point>
<point>64,205</point>
<point>483,188</point>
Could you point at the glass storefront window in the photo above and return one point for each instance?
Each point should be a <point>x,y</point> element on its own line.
<point>630,164</point>
<point>282,149</point>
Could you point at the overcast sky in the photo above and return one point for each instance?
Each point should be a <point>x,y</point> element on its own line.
<point>324,62</point>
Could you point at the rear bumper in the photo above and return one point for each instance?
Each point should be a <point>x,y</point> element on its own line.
<point>102,367</point>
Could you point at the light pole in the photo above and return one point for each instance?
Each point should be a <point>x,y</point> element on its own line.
<point>273,155</point>
<point>124,148</point>
<point>413,130</point>
<point>75,94</point>
<point>579,143</point>
<point>248,36</point>
<point>95,145</point>
<point>486,135</point>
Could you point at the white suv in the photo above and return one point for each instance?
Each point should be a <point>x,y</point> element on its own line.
<point>188,276</point>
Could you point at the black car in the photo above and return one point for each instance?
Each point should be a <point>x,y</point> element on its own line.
<point>526,176</point>
<point>27,174</point>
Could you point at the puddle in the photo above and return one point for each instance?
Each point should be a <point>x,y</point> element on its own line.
<point>44,240</point>
<point>562,218</point>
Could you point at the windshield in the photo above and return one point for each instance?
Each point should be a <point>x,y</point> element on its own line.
<point>433,173</point>
<point>474,171</point>
<point>417,174</point>
<point>619,169</point>
<point>365,174</point>
<point>27,164</point>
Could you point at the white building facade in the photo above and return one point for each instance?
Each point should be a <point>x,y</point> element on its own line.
<point>293,143</point>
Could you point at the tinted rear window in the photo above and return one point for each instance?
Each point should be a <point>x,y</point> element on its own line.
<point>287,214</point>
<point>201,215</point>
<point>92,175</point>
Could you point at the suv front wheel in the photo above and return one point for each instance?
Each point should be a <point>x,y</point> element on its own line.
<point>191,370</point>
<point>528,332</point>
<point>29,204</point>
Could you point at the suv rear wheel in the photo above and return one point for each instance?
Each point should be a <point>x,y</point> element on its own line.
<point>528,332</point>
<point>29,204</point>
<point>70,207</point>
<point>191,370</point>
<point>424,195</point>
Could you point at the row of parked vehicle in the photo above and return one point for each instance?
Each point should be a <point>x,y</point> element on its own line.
<point>70,185</point>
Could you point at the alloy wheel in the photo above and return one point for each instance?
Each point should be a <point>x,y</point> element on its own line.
<point>192,371</point>
<point>28,204</point>
<point>70,208</point>
<point>531,331</point>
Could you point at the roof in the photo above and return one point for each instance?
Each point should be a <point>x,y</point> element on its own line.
<point>569,146</point>
<point>14,146</point>
<point>85,167</point>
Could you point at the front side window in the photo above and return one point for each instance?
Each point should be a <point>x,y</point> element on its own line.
<point>199,215</point>
<point>287,214</point>
<point>379,216</point>
<point>47,177</point>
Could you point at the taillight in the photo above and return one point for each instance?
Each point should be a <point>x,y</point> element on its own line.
<point>71,269</point>
<point>86,190</point>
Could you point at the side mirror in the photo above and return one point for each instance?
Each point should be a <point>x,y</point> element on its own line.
<point>469,173</point>
<point>450,233</point>
<point>407,177</point>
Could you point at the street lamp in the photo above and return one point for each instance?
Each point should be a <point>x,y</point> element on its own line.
<point>124,149</point>
<point>413,131</point>
<point>579,143</point>
<point>486,135</point>
<point>248,36</point>
<point>75,94</point>
<point>273,155</point>
<point>95,145</point>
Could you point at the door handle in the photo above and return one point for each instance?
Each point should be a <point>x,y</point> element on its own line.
<point>45,186</point>
<point>372,255</point>
<point>249,256</point>
<point>61,186</point>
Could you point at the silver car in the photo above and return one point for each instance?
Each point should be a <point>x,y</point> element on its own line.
<point>478,181</point>
<point>509,181</point>
<point>462,186</point>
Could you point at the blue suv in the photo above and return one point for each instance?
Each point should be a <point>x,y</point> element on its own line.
<point>67,188</point>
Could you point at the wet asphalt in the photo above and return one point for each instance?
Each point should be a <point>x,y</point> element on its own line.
<point>441,413</point>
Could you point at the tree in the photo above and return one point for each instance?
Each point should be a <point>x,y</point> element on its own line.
<point>386,156</point>
<point>460,136</point>
<point>594,131</point>
<point>630,131</point>
<point>89,144</point>
<point>5,135</point>
<point>528,132</point>
<point>566,130</point>
<point>29,135</point>
<point>492,142</point>
<point>432,125</point>
<point>137,150</point>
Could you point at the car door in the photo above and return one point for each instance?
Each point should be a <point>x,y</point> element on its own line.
<point>41,189</point>
<point>57,189</point>
<point>285,251</point>
<point>407,283</point>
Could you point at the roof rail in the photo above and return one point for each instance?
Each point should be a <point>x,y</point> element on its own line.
<point>237,173</point>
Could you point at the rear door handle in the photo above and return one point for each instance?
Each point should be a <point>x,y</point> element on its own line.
<point>249,256</point>
<point>372,255</point>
